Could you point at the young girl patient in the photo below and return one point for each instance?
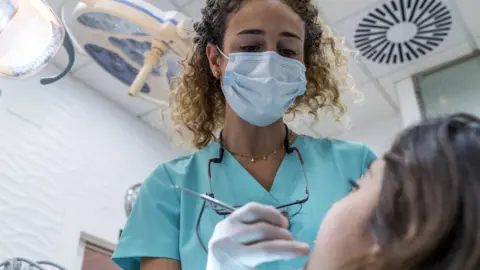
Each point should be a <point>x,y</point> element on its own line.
<point>418,207</point>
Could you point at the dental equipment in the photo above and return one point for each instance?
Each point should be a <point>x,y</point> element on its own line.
<point>135,42</point>
<point>30,36</point>
<point>22,263</point>
<point>205,198</point>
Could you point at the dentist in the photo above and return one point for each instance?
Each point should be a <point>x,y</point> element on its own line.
<point>253,62</point>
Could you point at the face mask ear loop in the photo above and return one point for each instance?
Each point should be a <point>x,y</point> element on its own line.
<point>223,54</point>
<point>226,57</point>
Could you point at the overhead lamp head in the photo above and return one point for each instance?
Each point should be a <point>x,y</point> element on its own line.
<point>30,36</point>
<point>135,42</point>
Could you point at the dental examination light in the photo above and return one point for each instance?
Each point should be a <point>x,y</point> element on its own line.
<point>30,36</point>
<point>135,42</point>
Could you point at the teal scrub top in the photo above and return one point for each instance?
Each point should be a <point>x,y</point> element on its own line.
<point>163,221</point>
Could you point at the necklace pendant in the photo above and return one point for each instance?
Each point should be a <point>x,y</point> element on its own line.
<point>252,160</point>
<point>265,158</point>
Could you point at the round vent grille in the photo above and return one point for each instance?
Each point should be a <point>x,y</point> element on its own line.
<point>400,31</point>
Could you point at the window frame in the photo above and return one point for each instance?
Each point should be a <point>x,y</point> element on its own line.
<point>417,77</point>
<point>94,243</point>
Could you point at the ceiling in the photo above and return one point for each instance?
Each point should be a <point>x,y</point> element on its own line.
<point>396,39</point>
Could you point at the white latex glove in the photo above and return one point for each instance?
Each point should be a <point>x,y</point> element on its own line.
<point>252,235</point>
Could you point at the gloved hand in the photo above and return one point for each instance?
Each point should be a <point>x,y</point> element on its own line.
<point>252,235</point>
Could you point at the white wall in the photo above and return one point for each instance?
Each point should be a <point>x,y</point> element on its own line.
<point>67,156</point>
<point>407,98</point>
<point>378,134</point>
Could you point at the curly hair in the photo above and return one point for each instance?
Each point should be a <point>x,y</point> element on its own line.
<point>197,99</point>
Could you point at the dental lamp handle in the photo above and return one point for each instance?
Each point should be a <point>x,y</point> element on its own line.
<point>151,59</point>
<point>68,45</point>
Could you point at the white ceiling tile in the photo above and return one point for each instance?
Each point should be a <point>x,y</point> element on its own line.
<point>181,3</point>
<point>372,107</point>
<point>377,134</point>
<point>337,10</point>
<point>96,78</point>
<point>360,77</point>
<point>194,9</point>
<point>469,11</point>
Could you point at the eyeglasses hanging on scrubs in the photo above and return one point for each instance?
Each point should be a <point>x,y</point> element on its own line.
<point>30,36</point>
<point>223,212</point>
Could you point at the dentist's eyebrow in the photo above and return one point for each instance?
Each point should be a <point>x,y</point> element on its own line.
<point>262,32</point>
<point>251,32</point>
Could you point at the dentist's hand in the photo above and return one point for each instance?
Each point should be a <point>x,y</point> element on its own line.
<point>252,235</point>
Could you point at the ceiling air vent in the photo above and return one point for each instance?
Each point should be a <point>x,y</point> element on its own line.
<point>400,31</point>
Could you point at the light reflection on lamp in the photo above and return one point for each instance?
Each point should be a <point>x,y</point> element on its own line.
<point>30,36</point>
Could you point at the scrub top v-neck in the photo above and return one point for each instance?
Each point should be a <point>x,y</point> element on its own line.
<point>163,221</point>
<point>232,183</point>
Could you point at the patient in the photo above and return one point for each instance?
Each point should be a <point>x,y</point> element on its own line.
<point>417,208</point>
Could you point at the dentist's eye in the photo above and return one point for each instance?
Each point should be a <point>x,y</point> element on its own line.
<point>250,48</point>
<point>353,185</point>
<point>287,53</point>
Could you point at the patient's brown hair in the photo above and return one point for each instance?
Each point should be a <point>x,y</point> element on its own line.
<point>428,215</point>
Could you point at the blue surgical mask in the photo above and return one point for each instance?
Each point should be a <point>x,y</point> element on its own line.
<point>260,87</point>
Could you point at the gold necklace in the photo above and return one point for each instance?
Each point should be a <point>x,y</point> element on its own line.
<point>256,158</point>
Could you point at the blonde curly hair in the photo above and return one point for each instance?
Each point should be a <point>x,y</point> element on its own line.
<point>197,100</point>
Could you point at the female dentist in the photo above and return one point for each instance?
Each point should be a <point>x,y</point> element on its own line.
<point>253,61</point>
